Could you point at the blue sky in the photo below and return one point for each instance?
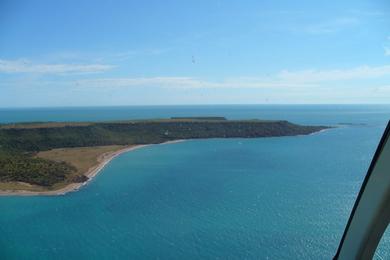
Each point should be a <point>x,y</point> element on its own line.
<point>91,53</point>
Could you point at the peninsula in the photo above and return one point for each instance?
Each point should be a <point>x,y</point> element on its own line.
<point>58,157</point>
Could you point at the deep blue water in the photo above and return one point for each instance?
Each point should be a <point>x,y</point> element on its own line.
<point>276,198</point>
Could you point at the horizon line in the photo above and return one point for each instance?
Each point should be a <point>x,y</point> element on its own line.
<point>183,105</point>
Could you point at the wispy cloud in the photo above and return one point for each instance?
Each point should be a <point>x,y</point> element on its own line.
<point>284,79</point>
<point>355,81</point>
<point>361,72</point>
<point>351,85</point>
<point>386,48</point>
<point>26,66</point>
<point>125,55</point>
<point>368,13</point>
<point>383,89</point>
<point>387,51</point>
<point>331,26</point>
<point>186,83</point>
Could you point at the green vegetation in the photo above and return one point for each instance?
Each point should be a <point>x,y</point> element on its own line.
<point>82,158</point>
<point>19,143</point>
<point>22,168</point>
<point>199,118</point>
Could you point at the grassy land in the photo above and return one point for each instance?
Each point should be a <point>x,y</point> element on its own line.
<point>20,186</point>
<point>82,158</point>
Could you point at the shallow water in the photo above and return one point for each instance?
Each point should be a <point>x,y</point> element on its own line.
<point>287,197</point>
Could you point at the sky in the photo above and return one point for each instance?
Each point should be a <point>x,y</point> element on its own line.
<point>111,53</point>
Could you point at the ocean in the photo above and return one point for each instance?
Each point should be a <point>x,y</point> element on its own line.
<point>262,198</point>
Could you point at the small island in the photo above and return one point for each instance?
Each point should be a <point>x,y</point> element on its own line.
<point>51,158</point>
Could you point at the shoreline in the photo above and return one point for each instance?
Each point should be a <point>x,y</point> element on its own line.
<point>92,172</point>
<point>102,160</point>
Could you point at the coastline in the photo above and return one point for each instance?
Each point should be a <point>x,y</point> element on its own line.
<point>103,160</point>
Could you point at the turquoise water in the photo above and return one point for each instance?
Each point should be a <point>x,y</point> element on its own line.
<point>276,198</point>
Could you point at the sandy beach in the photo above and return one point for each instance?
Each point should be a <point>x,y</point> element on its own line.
<point>103,160</point>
